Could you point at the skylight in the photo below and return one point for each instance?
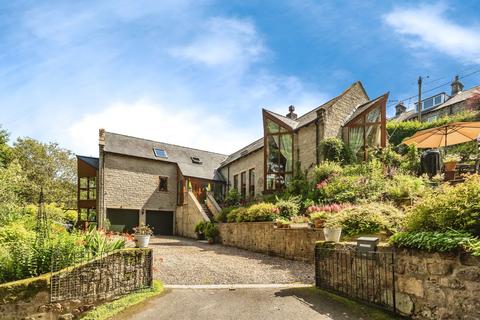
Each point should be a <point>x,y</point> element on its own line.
<point>160,153</point>
<point>196,160</point>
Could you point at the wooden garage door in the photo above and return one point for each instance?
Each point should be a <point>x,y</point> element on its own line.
<point>161,222</point>
<point>122,219</point>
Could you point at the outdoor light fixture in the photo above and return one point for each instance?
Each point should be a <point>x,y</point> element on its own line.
<point>367,244</point>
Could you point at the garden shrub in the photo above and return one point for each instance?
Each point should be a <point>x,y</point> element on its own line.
<point>326,170</point>
<point>334,149</point>
<point>288,208</point>
<point>232,198</point>
<point>211,231</point>
<point>222,216</point>
<point>435,241</point>
<point>449,207</point>
<point>234,214</point>
<point>258,212</point>
<point>403,186</point>
<point>369,218</point>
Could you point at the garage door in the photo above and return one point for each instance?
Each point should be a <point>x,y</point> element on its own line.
<point>161,222</point>
<point>122,220</point>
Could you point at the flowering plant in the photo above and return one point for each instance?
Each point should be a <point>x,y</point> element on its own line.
<point>143,230</point>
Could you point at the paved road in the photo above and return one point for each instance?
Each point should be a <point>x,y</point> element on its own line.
<point>248,304</point>
<point>185,261</point>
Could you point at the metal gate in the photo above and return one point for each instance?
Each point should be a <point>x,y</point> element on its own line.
<point>365,276</point>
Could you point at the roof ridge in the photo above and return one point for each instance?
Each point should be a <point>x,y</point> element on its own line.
<point>80,156</point>
<point>170,144</point>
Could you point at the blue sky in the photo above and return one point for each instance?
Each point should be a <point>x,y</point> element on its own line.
<point>197,73</point>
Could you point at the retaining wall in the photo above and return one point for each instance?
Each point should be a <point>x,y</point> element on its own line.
<point>295,244</point>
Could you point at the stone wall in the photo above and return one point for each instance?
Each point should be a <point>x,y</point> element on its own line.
<point>188,215</point>
<point>253,160</point>
<point>77,289</point>
<point>428,285</point>
<point>133,183</point>
<point>295,244</point>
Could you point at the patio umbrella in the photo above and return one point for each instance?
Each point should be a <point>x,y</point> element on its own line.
<point>447,135</point>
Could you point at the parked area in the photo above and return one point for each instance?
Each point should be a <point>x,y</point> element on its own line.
<point>186,261</point>
<point>250,304</point>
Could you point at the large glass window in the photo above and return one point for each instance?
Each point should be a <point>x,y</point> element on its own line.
<point>278,155</point>
<point>88,188</point>
<point>366,131</point>
<point>251,183</point>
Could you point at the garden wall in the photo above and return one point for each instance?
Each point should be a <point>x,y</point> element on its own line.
<point>295,244</point>
<point>434,285</point>
<point>77,289</point>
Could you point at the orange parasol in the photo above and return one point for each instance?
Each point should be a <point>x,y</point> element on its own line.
<point>447,135</point>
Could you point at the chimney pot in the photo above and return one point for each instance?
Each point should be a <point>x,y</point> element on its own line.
<point>399,109</point>
<point>457,86</point>
<point>291,114</point>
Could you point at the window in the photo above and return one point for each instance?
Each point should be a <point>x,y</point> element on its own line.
<point>235,182</point>
<point>278,155</point>
<point>251,183</point>
<point>243,184</point>
<point>196,160</point>
<point>366,131</point>
<point>438,100</point>
<point>428,103</point>
<point>88,188</point>
<point>160,153</point>
<point>163,185</point>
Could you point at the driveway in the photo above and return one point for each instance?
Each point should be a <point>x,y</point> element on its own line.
<point>249,304</point>
<point>181,261</point>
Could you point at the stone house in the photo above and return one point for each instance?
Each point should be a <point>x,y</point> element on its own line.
<point>137,181</point>
<point>441,104</point>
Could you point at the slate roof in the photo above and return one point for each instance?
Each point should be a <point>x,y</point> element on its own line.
<point>142,148</point>
<point>256,145</point>
<point>91,161</point>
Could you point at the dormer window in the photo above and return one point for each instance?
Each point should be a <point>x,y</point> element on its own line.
<point>160,153</point>
<point>196,160</point>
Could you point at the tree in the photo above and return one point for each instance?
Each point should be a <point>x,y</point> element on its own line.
<point>46,166</point>
<point>5,149</point>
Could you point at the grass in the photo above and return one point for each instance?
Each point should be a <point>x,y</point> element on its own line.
<point>108,310</point>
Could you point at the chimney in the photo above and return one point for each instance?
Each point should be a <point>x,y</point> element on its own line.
<point>399,109</point>
<point>457,86</point>
<point>291,114</point>
<point>101,137</point>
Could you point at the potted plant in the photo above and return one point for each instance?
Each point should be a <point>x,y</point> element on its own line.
<point>332,230</point>
<point>450,162</point>
<point>318,218</point>
<point>299,222</point>
<point>142,235</point>
<point>200,230</point>
<point>211,232</point>
<point>282,223</point>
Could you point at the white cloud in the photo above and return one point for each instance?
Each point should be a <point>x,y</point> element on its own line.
<point>223,41</point>
<point>153,121</point>
<point>426,27</point>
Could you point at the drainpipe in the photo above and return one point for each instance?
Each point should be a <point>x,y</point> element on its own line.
<point>320,123</point>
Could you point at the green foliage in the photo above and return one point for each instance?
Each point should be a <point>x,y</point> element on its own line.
<point>200,227</point>
<point>110,309</point>
<point>222,216</point>
<point>12,180</point>
<point>410,162</point>
<point>326,170</point>
<point>5,150</point>
<point>403,186</point>
<point>49,166</point>
<point>211,231</point>
<point>258,212</point>
<point>288,208</point>
<point>232,198</point>
<point>449,207</point>
<point>237,214</point>
<point>367,218</point>
<point>97,243</point>
<point>399,130</point>
<point>434,240</point>
<point>334,149</point>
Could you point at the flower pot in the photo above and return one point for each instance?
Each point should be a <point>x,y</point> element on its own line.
<point>302,225</point>
<point>142,240</point>
<point>211,241</point>
<point>450,166</point>
<point>319,223</point>
<point>332,234</point>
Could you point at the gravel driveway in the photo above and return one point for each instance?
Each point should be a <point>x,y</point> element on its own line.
<point>181,261</point>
